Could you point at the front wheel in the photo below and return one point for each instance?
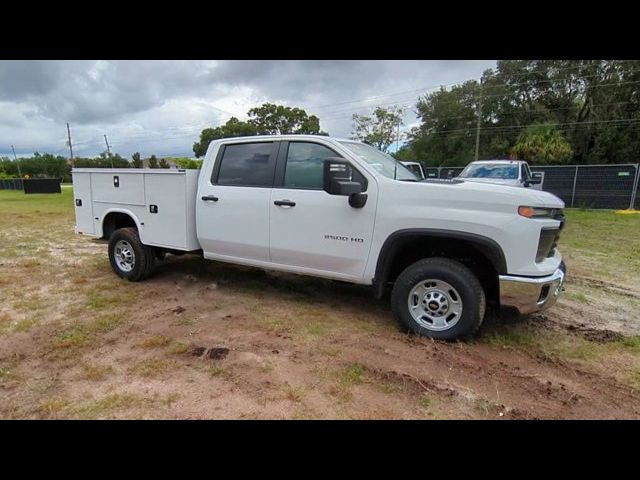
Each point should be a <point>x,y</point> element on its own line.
<point>439,298</point>
<point>129,257</point>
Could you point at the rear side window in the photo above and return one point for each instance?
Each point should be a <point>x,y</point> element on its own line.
<point>247,164</point>
<point>305,165</point>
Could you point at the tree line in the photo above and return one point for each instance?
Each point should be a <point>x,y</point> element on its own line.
<point>542,111</point>
<point>57,166</point>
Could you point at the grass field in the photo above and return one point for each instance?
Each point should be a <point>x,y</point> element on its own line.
<point>78,342</point>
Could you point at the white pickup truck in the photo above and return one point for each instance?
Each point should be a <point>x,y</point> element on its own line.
<point>516,173</point>
<point>337,209</point>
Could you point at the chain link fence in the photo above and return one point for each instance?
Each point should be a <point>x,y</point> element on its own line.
<point>592,186</point>
<point>581,186</point>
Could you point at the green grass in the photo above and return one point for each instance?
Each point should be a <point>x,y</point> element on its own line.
<point>107,405</point>
<point>73,337</point>
<point>95,372</point>
<point>155,341</point>
<point>38,204</point>
<point>178,348</point>
<point>603,242</point>
<point>152,367</point>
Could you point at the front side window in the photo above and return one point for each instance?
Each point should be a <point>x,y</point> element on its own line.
<point>247,164</point>
<point>305,165</point>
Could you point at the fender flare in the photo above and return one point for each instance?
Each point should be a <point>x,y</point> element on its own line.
<point>489,247</point>
<point>129,213</point>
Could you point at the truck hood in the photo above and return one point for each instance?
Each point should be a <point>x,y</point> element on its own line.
<point>491,193</point>
<point>497,181</point>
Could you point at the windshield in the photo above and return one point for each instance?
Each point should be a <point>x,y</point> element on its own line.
<point>490,170</point>
<point>382,162</point>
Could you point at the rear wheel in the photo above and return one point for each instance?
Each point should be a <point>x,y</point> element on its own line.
<point>129,257</point>
<point>439,298</point>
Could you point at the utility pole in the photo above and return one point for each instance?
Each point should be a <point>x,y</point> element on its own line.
<point>17,162</point>
<point>479,112</point>
<point>108,149</point>
<point>69,142</point>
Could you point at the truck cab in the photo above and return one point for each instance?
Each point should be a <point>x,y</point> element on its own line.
<point>445,250</point>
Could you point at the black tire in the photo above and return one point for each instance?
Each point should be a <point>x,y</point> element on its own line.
<point>144,256</point>
<point>457,276</point>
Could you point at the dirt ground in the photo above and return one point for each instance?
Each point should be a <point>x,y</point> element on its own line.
<point>208,340</point>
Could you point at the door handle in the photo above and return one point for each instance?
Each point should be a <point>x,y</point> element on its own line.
<point>284,203</point>
<point>210,198</point>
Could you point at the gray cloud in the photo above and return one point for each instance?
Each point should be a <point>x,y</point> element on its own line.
<point>161,106</point>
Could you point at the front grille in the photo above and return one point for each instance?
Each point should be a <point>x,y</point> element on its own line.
<point>547,243</point>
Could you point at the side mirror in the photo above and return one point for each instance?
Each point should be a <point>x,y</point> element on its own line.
<point>337,180</point>
<point>533,181</point>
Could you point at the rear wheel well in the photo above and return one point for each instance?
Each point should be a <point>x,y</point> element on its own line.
<point>114,221</point>
<point>409,249</point>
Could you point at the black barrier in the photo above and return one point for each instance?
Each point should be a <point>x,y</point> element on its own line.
<point>636,204</point>
<point>42,185</point>
<point>559,181</point>
<point>11,184</point>
<point>591,186</point>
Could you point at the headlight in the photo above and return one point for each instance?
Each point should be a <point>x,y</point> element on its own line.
<point>539,212</point>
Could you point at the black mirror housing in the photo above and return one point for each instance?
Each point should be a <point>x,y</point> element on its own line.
<point>337,176</point>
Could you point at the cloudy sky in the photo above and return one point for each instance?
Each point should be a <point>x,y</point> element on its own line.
<point>160,107</point>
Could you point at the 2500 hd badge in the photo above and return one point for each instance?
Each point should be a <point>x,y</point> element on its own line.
<point>343,238</point>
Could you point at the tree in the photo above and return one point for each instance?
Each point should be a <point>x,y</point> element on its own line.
<point>163,164</point>
<point>189,163</point>
<point>233,128</point>
<point>136,162</point>
<point>379,129</point>
<point>542,145</point>
<point>595,103</point>
<point>271,119</point>
<point>153,162</point>
<point>267,119</point>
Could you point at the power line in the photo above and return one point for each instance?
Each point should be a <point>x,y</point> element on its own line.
<point>453,101</point>
<point>488,130</point>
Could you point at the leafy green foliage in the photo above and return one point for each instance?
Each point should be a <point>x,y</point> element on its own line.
<point>593,104</point>
<point>153,162</point>
<point>271,119</point>
<point>163,163</point>
<point>267,119</point>
<point>136,162</point>
<point>380,128</point>
<point>233,128</point>
<point>542,144</point>
<point>104,160</point>
<point>189,163</point>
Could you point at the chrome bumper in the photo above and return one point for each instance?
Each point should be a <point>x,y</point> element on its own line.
<point>530,295</point>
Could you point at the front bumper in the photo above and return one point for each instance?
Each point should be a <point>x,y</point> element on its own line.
<point>528,294</point>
